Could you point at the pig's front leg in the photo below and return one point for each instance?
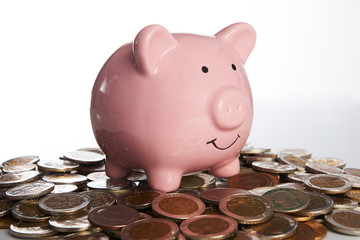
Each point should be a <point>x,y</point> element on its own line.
<point>115,171</point>
<point>164,179</point>
<point>228,169</point>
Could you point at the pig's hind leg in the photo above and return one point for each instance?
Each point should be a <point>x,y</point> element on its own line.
<point>230,168</point>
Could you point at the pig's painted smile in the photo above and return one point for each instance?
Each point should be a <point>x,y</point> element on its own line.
<point>220,148</point>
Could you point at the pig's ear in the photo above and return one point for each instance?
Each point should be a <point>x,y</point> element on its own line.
<point>241,37</point>
<point>150,45</point>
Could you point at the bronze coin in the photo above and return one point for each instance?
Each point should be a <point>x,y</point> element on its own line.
<point>345,221</point>
<point>303,232</point>
<point>352,171</point>
<point>320,229</point>
<point>155,228</point>
<point>279,226</point>
<point>209,227</point>
<point>99,198</point>
<point>287,200</point>
<point>28,210</point>
<point>138,200</point>
<point>320,204</point>
<point>113,216</point>
<point>329,184</point>
<point>214,195</point>
<point>248,181</point>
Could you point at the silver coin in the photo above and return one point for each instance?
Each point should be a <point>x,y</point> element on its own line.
<point>18,168</point>
<point>84,157</point>
<point>335,162</point>
<point>64,188</point>
<point>29,190</point>
<point>21,160</point>
<point>64,203</point>
<point>261,190</point>
<point>273,167</point>
<point>65,178</point>
<point>322,168</point>
<point>110,184</point>
<point>31,230</point>
<point>299,186</point>
<point>97,176</point>
<point>73,223</point>
<point>57,165</point>
<point>13,179</point>
<point>297,152</point>
<point>329,184</point>
<point>28,211</point>
<point>5,206</point>
<point>92,149</point>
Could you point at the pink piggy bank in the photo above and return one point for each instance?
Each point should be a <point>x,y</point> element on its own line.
<point>174,103</point>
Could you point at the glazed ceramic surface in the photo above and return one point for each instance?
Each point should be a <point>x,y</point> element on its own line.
<point>174,103</point>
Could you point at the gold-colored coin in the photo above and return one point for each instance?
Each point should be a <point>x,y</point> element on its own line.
<point>192,181</point>
<point>329,161</point>
<point>302,219</point>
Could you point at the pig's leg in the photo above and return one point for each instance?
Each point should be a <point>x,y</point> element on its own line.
<point>116,171</point>
<point>164,179</point>
<point>228,169</point>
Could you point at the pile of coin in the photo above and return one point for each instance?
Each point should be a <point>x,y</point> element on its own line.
<point>277,195</point>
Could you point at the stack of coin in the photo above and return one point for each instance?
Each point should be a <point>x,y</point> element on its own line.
<point>276,195</point>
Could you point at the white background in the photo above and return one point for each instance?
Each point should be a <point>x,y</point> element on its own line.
<point>304,70</point>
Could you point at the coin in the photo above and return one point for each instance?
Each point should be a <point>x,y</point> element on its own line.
<point>209,180</point>
<point>64,188</point>
<point>287,200</point>
<point>112,216</point>
<point>345,221</point>
<point>253,150</point>
<point>353,194</point>
<point>86,235</point>
<point>273,167</point>
<point>209,227</point>
<point>329,161</point>
<point>212,210</point>
<point>28,211</point>
<point>298,176</point>
<point>99,198</point>
<point>248,181</point>
<point>97,176</point>
<point>352,171</point>
<point>13,179</point>
<point>29,190</point>
<point>63,203</point>
<point>299,186</point>
<point>297,162</point>
<point>279,226</point>
<point>320,230</point>
<point>5,206</point>
<point>214,195</point>
<point>31,230</point>
<point>246,209</point>
<point>355,181</point>
<point>297,152</point>
<point>302,219</point>
<point>329,184</point>
<point>18,168</point>
<point>249,159</point>
<point>261,190</point>
<point>192,181</point>
<point>322,168</point>
<point>57,165</point>
<point>110,184</point>
<point>320,204</point>
<point>6,221</point>
<point>242,235</point>
<point>65,178</point>
<point>344,203</point>
<point>92,149</point>
<point>84,157</point>
<point>178,206</point>
<point>303,231</point>
<point>21,160</point>
<point>74,223</point>
<point>138,200</point>
<point>154,228</point>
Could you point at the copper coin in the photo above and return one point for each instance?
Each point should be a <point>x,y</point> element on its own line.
<point>5,206</point>
<point>214,195</point>
<point>138,200</point>
<point>322,168</point>
<point>353,194</point>
<point>29,190</point>
<point>248,181</point>
<point>320,229</point>
<point>64,203</point>
<point>30,159</point>
<point>31,230</point>
<point>57,165</point>
<point>155,228</point>
<point>345,221</point>
<point>209,227</point>
<point>192,181</point>
<point>297,162</point>
<point>246,209</point>
<point>112,216</point>
<point>74,223</point>
<point>329,184</point>
<point>178,206</point>
<point>28,211</point>
<point>18,168</point>
<point>13,179</point>
<point>99,198</point>
<point>280,226</point>
<point>212,210</point>
<point>352,171</point>
<point>273,167</point>
<point>329,161</point>
<point>320,204</point>
<point>287,200</point>
<point>341,202</point>
<point>302,219</point>
<point>84,157</point>
<point>303,232</point>
<point>65,178</point>
<point>297,152</point>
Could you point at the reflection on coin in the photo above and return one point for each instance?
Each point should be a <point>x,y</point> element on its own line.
<point>28,211</point>
<point>297,152</point>
<point>74,223</point>
<point>57,165</point>
<point>112,216</point>
<point>63,203</point>
<point>297,162</point>
<point>248,181</point>
<point>65,178</point>
<point>21,160</point>
<point>18,168</point>
<point>5,206</point>
<point>273,167</point>
<point>64,188</point>
<point>298,176</point>
<point>110,184</point>
<point>344,203</point>
<point>97,176</point>
<point>154,228</point>
<point>353,194</point>
<point>287,200</point>
<point>13,179</point>
<point>246,209</point>
<point>84,157</point>
<point>214,195</point>
<point>29,190</point>
<point>209,227</point>
<point>280,226</point>
<point>329,161</point>
<point>322,168</point>
<point>320,204</point>
<point>138,200</point>
<point>329,184</point>
<point>86,235</point>
<point>31,230</point>
<point>303,232</point>
<point>352,171</point>
<point>320,230</point>
<point>345,221</point>
<point>99,198</point>
<point>192,181</point>
<point>178,206</point>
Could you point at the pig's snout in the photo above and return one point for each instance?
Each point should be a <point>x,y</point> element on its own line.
<point>229,108</point>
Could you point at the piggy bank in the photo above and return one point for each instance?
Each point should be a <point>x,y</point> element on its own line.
<point>172,104</point>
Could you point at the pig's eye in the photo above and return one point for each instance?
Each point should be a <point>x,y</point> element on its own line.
<point>204,69</point>
<point>233,67</point>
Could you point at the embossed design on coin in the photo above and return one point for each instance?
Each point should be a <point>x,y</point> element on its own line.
<point>353,194</point>
<point>297,162</point>
<point>29,190</point>
<point>64,188</point>
<point>322,168</point>
<point>24,160</point>
<point>18,168</point>
<point>344,202</point>
<point>345,221</point>
<point>329,184</point>
<point>329,161</point>
<point>28,210</point>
